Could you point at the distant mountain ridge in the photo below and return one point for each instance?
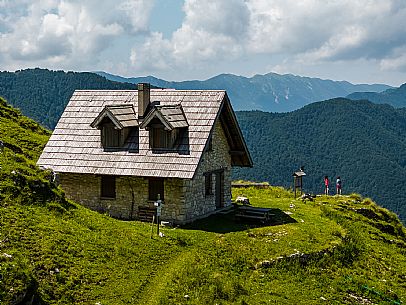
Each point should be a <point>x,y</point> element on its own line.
<point>271,92</point>
<point>395,96</point>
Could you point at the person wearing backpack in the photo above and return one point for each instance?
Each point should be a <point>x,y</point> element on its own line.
<point>338,186</point>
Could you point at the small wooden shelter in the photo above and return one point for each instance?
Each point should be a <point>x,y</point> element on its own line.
<point>298,180</point>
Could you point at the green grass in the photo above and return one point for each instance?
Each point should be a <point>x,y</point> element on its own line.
<point>336,250</point>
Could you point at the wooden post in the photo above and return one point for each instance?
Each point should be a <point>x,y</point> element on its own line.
<point>152,225</point>
<point>158,205</point>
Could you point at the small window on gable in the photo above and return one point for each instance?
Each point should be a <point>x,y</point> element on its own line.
<point>110,135</point>
<point>208,184</point>
<point>108,187</point>
<point>160,138</point>
<point>115,123</point>
<point>167,126</point>
<point>155,188</point>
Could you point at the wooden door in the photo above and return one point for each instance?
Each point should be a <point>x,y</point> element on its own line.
<point>219,189</point>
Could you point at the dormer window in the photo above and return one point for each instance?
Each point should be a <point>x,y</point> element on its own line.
<point>111,135</point>
<point>160,137</point>
<point>115,123</point>
<point>166,125</point>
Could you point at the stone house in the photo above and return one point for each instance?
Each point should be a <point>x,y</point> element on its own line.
<point>119,151</point>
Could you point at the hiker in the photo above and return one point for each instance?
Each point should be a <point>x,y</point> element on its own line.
<point>338,186</point>
<point>326,182</point>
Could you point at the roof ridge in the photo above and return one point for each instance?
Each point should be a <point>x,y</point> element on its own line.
<point>155,89</point>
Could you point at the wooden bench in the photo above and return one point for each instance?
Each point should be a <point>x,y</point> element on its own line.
<point>256,217</point>
<point>253,213</point>
<point>146,213</point>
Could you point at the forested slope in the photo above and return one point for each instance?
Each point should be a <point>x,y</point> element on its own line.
<point>362,142</point>
<point>43,94</point>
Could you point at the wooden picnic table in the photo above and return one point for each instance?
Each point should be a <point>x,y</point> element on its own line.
<point>253,213</point>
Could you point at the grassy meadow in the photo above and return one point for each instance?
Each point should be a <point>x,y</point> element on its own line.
<point>335,250</point>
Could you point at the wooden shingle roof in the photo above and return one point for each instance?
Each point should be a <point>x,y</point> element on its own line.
<point>121,115</point>
<point>75,146</point>
<point>171,116</point>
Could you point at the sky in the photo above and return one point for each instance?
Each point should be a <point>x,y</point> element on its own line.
<point>361,41</point>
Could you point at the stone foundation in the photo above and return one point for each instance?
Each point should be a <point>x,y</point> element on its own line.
<point>131,192</point>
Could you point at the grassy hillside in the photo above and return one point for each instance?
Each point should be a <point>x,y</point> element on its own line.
<point>362,142</point>
<point>343,250</point>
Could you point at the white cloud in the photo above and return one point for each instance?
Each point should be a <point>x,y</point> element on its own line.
<point>305,32</point>
<point>211,30</point>
<point>68,33</point>
<point>214,36</point>
<point>396,62</point>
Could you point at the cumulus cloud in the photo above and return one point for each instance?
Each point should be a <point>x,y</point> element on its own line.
<point>93,34</point>
<point>308,31</point>
<point>396,62</point>
<point>67,32</point>
<point>210,30</point>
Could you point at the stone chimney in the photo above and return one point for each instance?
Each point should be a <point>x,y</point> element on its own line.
<point>143,98</point>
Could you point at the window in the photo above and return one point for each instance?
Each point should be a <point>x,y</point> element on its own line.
<point>108,187</point>
<point>208,184</point>
<point>163,139</point>
<point>160,138</point>
<point>155,187</point>
<point>110,135</point>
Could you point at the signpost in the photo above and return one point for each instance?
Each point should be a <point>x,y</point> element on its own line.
<point>158,204</point>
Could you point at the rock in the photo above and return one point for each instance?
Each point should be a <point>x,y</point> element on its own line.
<point>7,255</point>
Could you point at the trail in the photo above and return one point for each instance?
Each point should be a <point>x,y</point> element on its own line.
<point>163,277</point>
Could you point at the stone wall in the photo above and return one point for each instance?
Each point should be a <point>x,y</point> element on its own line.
<point>198,204</point>
<point>86,188</point>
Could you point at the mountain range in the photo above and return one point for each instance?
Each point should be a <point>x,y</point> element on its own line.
<point>270,92</point>
<point>395,96</point>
